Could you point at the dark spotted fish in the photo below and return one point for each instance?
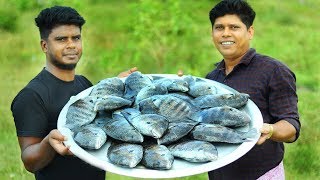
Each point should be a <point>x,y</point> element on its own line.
<point>173,85</point>
<point>157,157</point>
<point>81,112</point>
<point>153,125</point>
<point>169,106</point>
<point>119,128</point>
<point>90,136</point>
<point>176,131</point>
<point>194,151</point>
<point>199,87</point>
<point>110,86</point>
<point>134,83</point>
<point>149,91</point>
<point>236,100</point>
<point>218,133</point>
<point>125,154</point>
<point>225,116</point>
<point>110,102</point>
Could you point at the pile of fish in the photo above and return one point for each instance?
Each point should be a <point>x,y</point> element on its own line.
<point>150,120</point>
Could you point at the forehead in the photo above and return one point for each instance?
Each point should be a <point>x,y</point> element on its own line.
<point>228,19</point>
<point>65,30</point>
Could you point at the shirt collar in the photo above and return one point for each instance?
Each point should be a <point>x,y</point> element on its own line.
<point>246,59</point>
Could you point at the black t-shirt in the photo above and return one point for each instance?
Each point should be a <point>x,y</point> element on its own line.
<point>36,109</point>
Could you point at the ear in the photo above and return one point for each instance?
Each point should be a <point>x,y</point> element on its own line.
<point>251,32</point>
<point>44,45</point>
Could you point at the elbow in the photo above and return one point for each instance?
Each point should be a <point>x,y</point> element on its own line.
<point>29,165</point>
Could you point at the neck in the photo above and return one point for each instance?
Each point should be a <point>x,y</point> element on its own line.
<point>64,75</point>
<point>230,63</point>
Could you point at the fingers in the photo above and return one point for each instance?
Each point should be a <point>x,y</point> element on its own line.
<point>128,72</point>
<point>266,132</point>
<point>180,72</point>
<point>56,141</point>
<point>134,69</point>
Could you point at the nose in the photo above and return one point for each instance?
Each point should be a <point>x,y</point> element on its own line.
<point>70,44</point>
<point>226,32</point>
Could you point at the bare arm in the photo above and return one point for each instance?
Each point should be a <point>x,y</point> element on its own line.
<point>283,131</point>
<point>37,153</point>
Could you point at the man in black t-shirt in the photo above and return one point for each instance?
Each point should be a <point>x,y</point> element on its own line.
<point>37,106</point>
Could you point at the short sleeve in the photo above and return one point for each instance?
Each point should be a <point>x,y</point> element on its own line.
<point>283,98</point>
<point>29,114</point>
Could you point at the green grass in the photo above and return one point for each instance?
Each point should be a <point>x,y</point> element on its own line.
<point>162,38</point>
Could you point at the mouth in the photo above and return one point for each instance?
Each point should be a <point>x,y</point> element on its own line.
<point>226,43</point>
<point>71,55</point>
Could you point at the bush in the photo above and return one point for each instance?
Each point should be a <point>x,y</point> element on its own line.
<point>8,19</point>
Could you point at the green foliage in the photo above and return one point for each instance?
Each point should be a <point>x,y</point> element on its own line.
<point>8,19</point>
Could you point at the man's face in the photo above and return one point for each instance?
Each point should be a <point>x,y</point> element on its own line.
<point>63,47</point>
<point>231,36</point>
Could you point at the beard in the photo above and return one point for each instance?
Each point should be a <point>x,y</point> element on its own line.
<point>62,66</point>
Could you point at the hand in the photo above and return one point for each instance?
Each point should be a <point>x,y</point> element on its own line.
<point>180,73</point>
<point>56,141</point>
<point>127,73</point>
<point>266,133</point>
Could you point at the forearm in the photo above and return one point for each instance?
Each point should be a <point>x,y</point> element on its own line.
<point>38,155</point>
<point>283,131</point>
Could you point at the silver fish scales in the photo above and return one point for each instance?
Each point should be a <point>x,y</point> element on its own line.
<point>157,157</point>
<point>125,154</point>
<point>176,131</point>
<point>169,106</point>
<point>194,151</point>
<point>218,133</point>
<point>90,136</point>
<point>153,125</point>
<point>225,116</point>
<point>236,100</point>
<point>119,128</point>
<point>110,86</point>
<point>81,112</point>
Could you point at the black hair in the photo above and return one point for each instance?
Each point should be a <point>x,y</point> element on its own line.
<point>233,7</point>
<point>52,17</point>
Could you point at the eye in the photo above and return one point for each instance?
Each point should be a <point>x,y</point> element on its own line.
<point>218,27</point>
<point>234,27</point>
<point>61,39</point>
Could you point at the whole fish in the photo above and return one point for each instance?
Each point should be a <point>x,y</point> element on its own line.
<point>81,112</point>
<point>172,85</point>
<point>90,137</point>
<point>119,128</point>
<point>236,100</point>
<point>225,116</point>
<point>110,102</point>
<point>125,154</point>
<point>149,91</point>
<point>199,87</point>
<point>169,106</point>
<point>110,86</point>
<point>153,125</point>
<point>176,131</point>
<point>134,83</point>
<point>218,133</point>
<point>194,151</point>
<point>157,157</point>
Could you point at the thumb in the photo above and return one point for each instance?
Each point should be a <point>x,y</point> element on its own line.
<point>180,73</point>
